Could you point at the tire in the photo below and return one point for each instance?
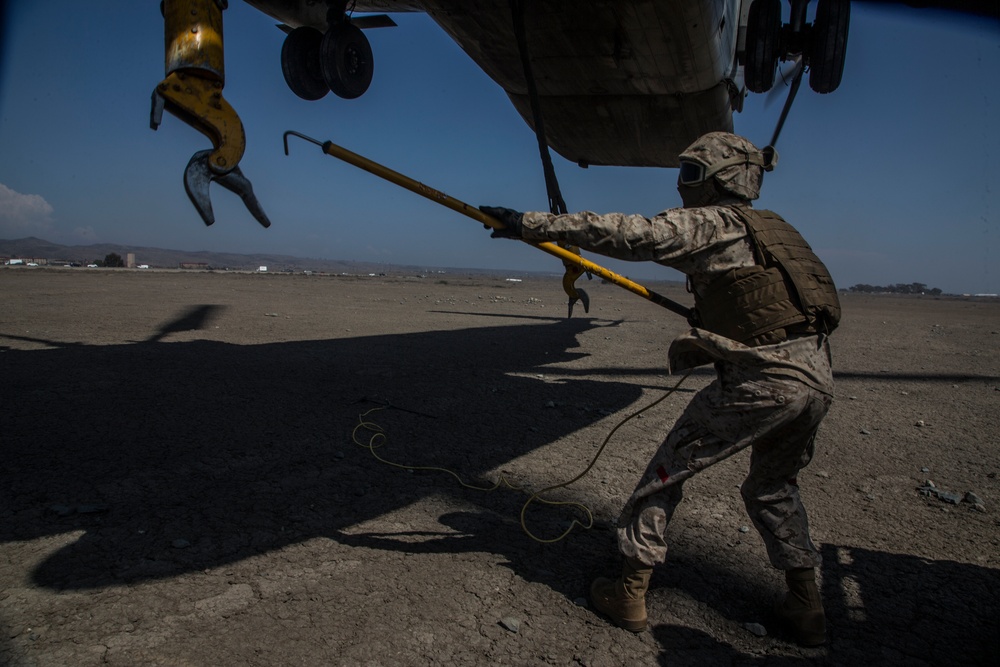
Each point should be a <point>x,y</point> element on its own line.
<point>829,45</point>
<point>346,60</point>
<point>300,63</point>
<point>763,44</point>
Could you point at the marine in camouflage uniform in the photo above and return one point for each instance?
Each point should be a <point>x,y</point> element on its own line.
<point>764,306</point>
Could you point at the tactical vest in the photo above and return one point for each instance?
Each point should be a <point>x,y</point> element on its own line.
<point>789,291</point>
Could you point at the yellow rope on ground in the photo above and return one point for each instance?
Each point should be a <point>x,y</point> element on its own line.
<point>379,438</point>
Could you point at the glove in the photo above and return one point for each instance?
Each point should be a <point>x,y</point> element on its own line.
<point>510,218</point>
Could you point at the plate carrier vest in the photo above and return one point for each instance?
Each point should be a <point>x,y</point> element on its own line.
<point>788,292</point>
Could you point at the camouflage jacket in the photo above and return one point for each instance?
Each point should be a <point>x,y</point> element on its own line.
<point>703,243</point>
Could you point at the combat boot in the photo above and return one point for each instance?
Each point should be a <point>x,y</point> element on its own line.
<point>802,609</point>
<point>623,600</point>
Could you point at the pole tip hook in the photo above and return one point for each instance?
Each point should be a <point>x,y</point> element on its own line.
<point>300,136</point>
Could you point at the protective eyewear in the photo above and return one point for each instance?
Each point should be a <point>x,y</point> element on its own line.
<point>691,173</point>
<point>695,173</point>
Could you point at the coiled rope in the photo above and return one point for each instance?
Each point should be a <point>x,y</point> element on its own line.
<point>379,438</point>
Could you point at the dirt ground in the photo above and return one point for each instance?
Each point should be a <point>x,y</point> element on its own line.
<point>180,486</point>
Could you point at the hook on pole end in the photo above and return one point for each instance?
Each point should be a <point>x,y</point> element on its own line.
<point>300,136</point>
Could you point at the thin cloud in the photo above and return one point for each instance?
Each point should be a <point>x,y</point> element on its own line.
<point>23,215</point>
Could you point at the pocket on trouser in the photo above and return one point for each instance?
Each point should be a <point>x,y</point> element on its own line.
<point>740,411</point>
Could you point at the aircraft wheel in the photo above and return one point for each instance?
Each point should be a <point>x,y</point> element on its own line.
<point>829,44</point>
<point>763,44</point>
<point>300,63</point>
<point>346,60</point>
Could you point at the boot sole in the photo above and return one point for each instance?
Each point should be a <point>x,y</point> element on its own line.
<point>632,625</point>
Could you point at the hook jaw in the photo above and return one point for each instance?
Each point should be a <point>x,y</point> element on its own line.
<point>199,175</point>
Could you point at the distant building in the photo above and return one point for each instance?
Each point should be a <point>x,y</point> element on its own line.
<point>262,269</point>
<point>130,260</point>
<point>202,266</point>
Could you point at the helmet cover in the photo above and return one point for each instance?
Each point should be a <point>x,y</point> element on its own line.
<point>744,172</point>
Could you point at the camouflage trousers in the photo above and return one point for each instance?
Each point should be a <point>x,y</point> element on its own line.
<point>777,418</point>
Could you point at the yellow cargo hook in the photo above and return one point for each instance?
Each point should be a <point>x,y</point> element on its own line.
<point>192,91</point>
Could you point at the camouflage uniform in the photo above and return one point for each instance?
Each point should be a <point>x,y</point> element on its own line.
<point>770,398</point>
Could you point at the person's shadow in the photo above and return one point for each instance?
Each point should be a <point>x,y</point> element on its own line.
<point>882,608</point>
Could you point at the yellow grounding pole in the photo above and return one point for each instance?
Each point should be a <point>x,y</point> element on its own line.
<point>439,197</point>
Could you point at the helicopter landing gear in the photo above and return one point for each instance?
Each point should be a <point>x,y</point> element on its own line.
<point>300,63</point>
<point>346,60</point>
<point>820,46</point>
<point>314,63</point>
<point>763,45</point>
<point>829,45</point>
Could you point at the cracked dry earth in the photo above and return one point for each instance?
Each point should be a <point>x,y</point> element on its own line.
<point>179,483</point>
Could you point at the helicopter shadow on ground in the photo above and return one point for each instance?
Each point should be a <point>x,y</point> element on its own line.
<point>171,457</point>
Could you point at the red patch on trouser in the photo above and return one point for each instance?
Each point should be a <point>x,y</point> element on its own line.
<point>662,472</point>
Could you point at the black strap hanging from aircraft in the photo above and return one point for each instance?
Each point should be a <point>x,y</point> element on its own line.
<point>556,204</point>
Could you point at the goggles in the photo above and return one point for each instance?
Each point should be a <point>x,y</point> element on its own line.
<point>691,173</point>
<point>696,173</point>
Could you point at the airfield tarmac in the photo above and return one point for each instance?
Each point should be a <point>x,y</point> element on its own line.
<point>179,483</point>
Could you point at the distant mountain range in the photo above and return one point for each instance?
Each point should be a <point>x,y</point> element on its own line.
<point>32,248</point>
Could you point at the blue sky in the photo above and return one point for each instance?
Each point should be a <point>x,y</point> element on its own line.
<point>892,178</point>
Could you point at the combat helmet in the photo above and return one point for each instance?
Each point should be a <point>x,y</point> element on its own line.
<point>727,163</point>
